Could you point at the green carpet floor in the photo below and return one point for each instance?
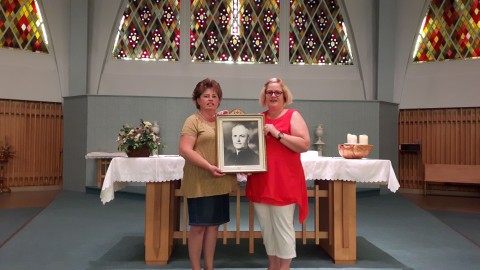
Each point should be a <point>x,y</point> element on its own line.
<point>77,232</point>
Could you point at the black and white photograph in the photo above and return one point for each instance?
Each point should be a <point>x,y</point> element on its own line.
<point>240,146</point>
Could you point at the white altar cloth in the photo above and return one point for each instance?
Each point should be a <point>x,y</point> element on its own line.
<point>99,155</point>
<point>149,169</point>
<point>359,170</point>
<point>170,167</point>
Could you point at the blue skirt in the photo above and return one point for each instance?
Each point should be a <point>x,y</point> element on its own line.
<point>208,211</point>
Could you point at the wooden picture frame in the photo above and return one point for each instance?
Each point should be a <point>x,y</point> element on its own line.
<point>241,143</point>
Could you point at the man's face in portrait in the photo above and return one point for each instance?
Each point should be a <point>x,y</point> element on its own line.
<point>240,137</point>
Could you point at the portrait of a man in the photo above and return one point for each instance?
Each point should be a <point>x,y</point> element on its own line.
<point>241,153</point>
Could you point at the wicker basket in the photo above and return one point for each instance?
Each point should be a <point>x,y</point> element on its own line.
<point>354,151</point>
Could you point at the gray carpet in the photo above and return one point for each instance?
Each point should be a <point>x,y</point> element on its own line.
<point>12,220</point>
<point>414,236</point>
<point>130,249</point>
<point>77,232</point>
<point>466,224</point>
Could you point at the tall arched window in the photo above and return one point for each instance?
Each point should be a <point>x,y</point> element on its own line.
<point>239,31</point>
<point>22,26</point>
<point>449,31</point>
<point>318,34</point>
<point>149,30</point>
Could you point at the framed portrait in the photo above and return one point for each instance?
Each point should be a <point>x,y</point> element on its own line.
<point>241,143</point>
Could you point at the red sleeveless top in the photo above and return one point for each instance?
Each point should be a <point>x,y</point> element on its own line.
<point>284,181</point>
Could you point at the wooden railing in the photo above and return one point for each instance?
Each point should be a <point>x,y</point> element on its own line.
<point>316,234</point>
<point>445,136</point>
<point>35,132</point>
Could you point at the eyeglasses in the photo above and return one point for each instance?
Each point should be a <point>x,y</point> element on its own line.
<point>274,93</point>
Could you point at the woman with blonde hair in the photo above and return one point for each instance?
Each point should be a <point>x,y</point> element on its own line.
<point>275,193</point>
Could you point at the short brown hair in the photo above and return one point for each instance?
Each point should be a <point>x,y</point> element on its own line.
<point>202,86</point>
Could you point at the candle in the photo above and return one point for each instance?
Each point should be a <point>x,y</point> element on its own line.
<point>352,139</point>
<point>363,139</point>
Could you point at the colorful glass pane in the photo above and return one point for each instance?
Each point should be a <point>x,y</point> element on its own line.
<point>318,34</point>
<point>235,31</point>
<point>149,30</point>
<point>450,31</point>
<point>21,26</point>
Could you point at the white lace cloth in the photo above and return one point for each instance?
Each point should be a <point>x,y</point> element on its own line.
<point>168,168</point>
<point>360,170</point>
<point>99,155</point>
<point>149,169</point>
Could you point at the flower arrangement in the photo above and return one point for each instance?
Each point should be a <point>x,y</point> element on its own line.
<point>145,135</point>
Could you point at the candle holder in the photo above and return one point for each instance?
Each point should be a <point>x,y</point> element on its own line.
<point>319,143</point>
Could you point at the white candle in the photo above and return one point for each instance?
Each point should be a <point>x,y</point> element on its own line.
<point>363,139</point>
<point>352,139</point>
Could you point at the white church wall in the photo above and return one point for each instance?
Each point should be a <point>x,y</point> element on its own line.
<point>38,76</point>
<point>33,76</point>
<point>429,85</point>
<point>113,77</point>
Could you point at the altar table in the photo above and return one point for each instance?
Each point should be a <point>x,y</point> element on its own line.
<point>335,204</point>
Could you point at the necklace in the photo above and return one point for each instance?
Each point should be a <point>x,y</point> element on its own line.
<point>207,118</point>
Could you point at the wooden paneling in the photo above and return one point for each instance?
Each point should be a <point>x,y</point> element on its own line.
<point>35,131</point>
<point>446,136</point>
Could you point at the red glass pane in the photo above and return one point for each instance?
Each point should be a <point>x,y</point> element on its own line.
<point>21,26</point>
<point>450,31</point>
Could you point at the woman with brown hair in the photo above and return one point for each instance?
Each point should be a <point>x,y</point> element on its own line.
<point>204,185</point>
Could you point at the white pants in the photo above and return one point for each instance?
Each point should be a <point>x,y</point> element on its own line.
<point>276,223</point>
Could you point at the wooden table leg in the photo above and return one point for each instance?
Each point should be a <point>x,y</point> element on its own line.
<point>160,221</point>
<point>338,216</point>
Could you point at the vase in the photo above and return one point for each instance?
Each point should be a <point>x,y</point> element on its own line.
<point>319,133</point>
<point>143,151</point>
<point>155,127</point>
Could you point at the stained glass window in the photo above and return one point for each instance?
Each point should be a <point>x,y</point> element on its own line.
<point>149,30</point>
<point>318,34</point>
<point>239,31</point>
<point>22,26</point>
<point>235,31</point>
<point>450,31</point>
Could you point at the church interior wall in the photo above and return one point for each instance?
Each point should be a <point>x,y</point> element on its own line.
<point>147,88</point>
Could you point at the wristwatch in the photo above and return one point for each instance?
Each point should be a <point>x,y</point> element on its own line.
<point>280,136</point>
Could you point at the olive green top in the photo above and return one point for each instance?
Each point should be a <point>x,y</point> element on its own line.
<point>198,182</point>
